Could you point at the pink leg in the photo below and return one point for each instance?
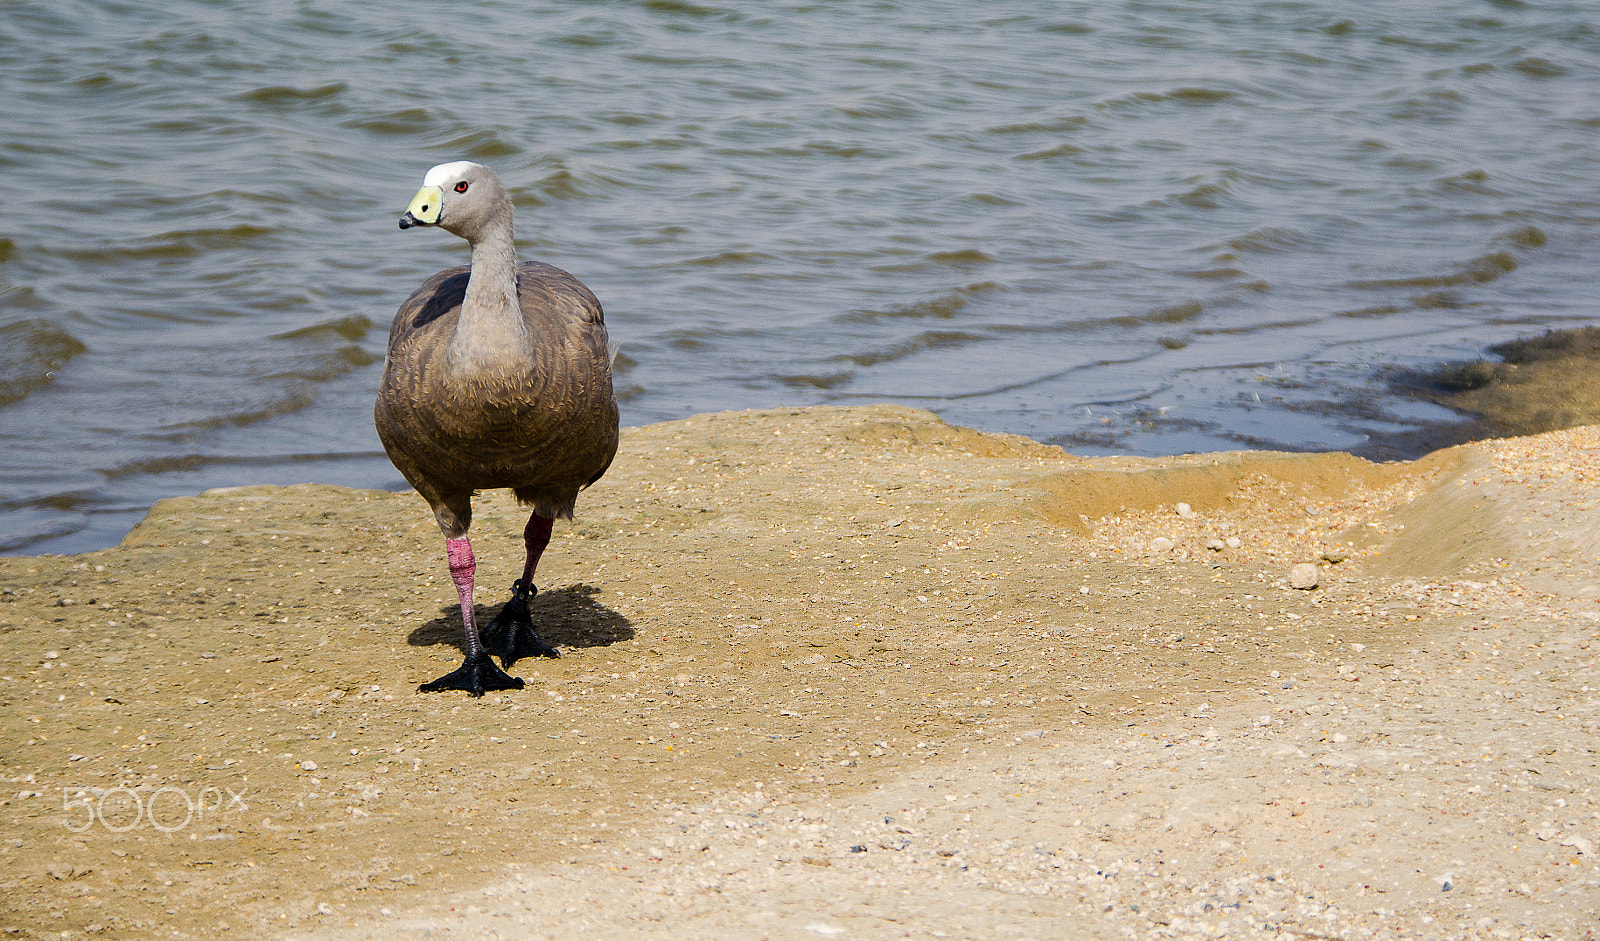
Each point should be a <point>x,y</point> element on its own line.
<point>477,672</point>
<point>511,633</point>
<point>462,568</point>
<point>536,536</point>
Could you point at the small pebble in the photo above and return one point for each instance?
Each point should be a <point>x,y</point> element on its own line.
<point>1303,576</point>
<point>1186,511</point>
<point>308,765</point>
<point>1233,542</point>
<point>1161,544</point>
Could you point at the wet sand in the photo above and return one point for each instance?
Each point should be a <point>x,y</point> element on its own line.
<point>833,672</point>
<point>1529,386</point>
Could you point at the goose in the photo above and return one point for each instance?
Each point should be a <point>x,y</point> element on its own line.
<point>498,375</point>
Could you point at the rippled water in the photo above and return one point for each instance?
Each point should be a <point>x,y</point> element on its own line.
<point>1124,225</point>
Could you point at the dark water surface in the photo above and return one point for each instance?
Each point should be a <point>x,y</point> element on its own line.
<point>1152,227</point>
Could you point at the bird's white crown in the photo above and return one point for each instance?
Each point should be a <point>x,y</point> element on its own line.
<point>446,171</point>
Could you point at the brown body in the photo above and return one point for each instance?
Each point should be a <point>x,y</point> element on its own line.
<point>543,425</point>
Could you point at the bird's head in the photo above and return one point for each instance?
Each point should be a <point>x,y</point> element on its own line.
<point>460,197</point>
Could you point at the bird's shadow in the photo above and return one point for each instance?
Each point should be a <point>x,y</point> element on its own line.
<point>563,617</point>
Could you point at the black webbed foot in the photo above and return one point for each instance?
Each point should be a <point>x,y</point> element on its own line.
<point>475,677</point>
<point>511,636</point>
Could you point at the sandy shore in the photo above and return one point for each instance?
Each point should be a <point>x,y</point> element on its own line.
<point>833,673</point>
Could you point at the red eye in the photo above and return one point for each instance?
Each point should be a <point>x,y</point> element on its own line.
<point>461,187</point>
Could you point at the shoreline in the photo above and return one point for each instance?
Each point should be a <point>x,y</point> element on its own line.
<point>794,619</point>
<point>1508,396</point>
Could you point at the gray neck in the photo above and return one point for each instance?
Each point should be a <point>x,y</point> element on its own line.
<point>491,333</point>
